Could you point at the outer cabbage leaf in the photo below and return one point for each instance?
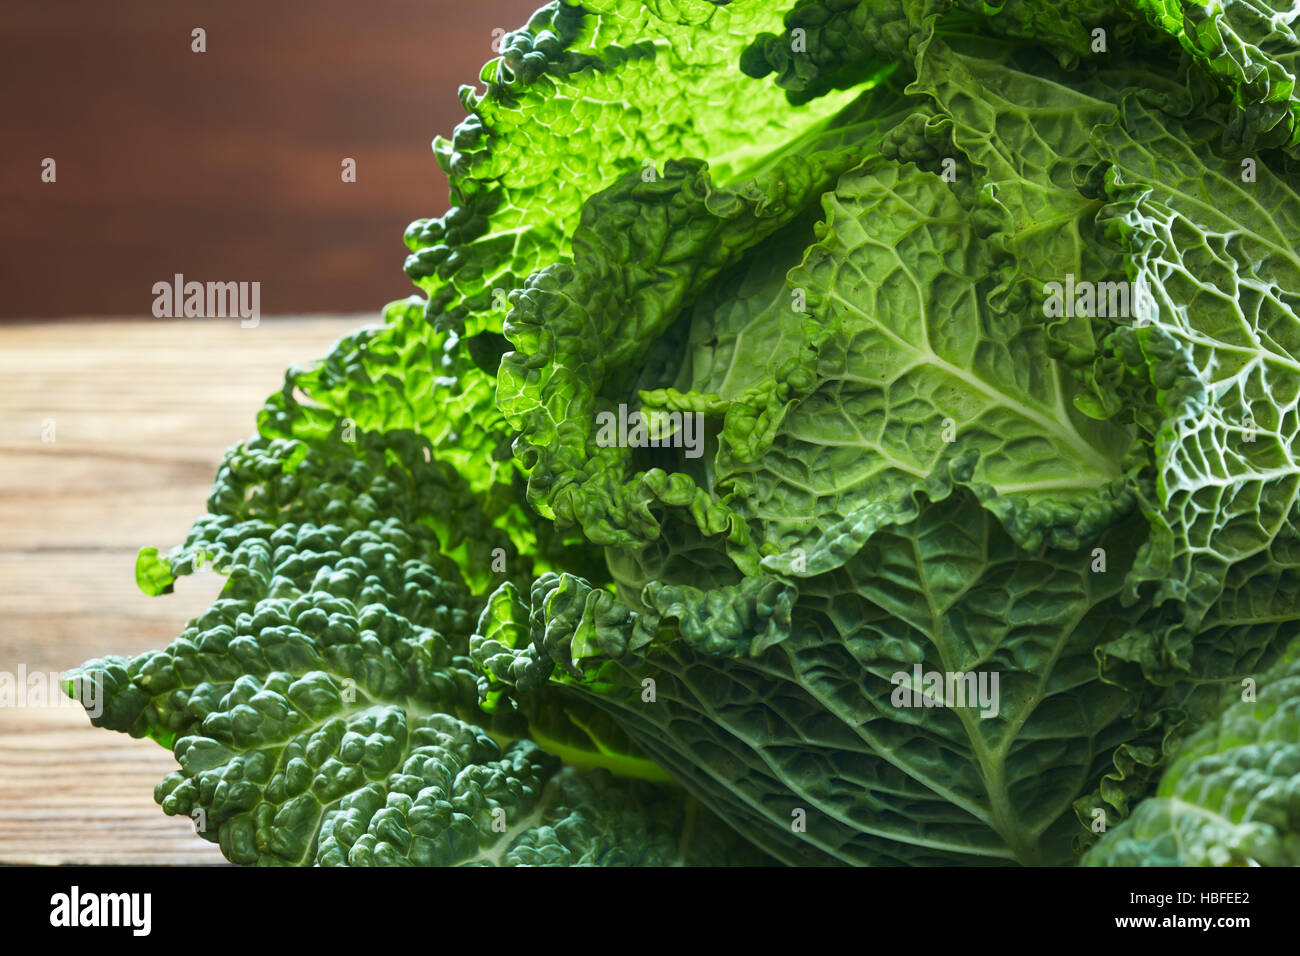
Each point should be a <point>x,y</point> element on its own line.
<point>325,708</point>
<point>404,377</point>
<point>1251,49</point>
<point>780,713</point>
<point>1232,798</point>
<point>1219,255</point>
<point>642,82</point>
<point>296,770</point>
<point>377,479</point>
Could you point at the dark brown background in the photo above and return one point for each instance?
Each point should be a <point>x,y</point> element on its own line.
<point>225,165</point>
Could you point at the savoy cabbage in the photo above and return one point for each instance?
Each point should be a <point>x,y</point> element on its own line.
<point>859,433</point>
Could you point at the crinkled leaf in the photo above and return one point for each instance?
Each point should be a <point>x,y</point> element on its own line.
<point>1232,798</point>
<point>627,78</point>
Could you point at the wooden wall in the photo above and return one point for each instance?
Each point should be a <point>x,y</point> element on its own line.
<point>225,165</point>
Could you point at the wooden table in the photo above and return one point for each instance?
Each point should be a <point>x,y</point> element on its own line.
<point>141,413</point>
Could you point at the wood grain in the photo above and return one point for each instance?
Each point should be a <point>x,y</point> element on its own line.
<point>142,412</point>
<point>226,165</point>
